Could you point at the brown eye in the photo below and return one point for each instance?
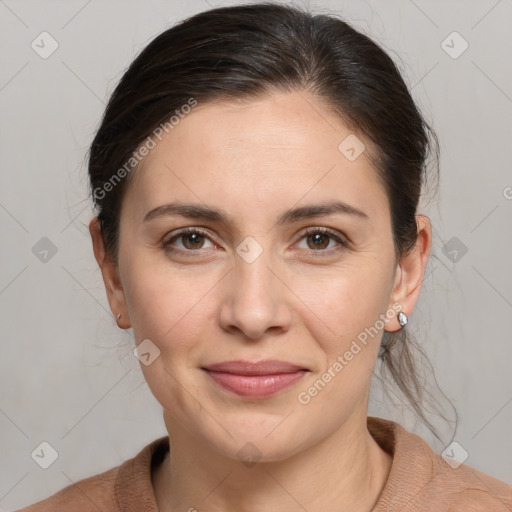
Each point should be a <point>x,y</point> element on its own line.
<point>191,240</point>
<point>318,241</point>
<point>323,240</point>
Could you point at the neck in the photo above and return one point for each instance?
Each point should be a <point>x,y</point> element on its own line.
<point>346,471</point>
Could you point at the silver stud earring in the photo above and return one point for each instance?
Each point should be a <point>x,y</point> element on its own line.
<point>119,316</point>
<point>402,319</point>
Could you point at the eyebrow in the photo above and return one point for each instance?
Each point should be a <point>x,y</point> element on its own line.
<point>195,211</point>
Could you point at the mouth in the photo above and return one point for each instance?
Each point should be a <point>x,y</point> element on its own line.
<point>255,380</point>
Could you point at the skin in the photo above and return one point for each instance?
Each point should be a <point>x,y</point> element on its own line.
<point>255,159</point>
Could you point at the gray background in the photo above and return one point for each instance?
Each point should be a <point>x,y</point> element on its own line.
<point>68,376</point>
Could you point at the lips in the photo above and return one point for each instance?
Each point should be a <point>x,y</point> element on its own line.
<point>250,368</point>
<point>255,380</point>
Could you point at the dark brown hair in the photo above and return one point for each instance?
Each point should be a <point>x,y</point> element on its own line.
<point>247,51</point>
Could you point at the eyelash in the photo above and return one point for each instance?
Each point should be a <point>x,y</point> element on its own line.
<point>310,231</point>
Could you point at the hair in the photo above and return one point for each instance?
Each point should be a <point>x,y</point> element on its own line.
<point>247,52</point>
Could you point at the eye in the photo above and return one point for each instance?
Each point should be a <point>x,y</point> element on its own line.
<point>320,239</point>
<point>192,240</point>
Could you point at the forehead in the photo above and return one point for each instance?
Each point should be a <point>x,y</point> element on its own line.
<point>258,156</point>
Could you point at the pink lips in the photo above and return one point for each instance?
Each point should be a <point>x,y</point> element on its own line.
<point>255,380</point>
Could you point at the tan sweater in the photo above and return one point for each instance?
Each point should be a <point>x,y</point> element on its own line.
<point>419,480</point>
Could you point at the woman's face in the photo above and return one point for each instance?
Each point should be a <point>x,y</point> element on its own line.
<point>248,284</point>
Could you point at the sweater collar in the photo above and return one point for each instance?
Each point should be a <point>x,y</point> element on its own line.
<point>135,493</point>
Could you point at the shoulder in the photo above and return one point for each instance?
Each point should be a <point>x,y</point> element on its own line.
<point>422,480</point>
<point>465,488</point>
<point>126,487</point>
<point>92,493</point>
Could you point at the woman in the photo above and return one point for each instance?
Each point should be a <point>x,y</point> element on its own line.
<point>257,174</point>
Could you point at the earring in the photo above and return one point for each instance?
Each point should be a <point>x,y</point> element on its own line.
<point>118,316</point>
<point>402,319</point>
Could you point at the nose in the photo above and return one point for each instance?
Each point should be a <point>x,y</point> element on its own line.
<point>256,299</point>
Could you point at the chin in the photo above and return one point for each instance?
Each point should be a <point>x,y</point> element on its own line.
<point>262,441</point>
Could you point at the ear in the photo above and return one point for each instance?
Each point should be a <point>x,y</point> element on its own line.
<point>109,271</point>
<point>409,273</point>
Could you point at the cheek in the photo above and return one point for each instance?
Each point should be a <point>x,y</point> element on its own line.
<point>166,305</point>
<point>153,304</point>
<point>343,303</point>
<point>170,309</point>
<point>341,318</point>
